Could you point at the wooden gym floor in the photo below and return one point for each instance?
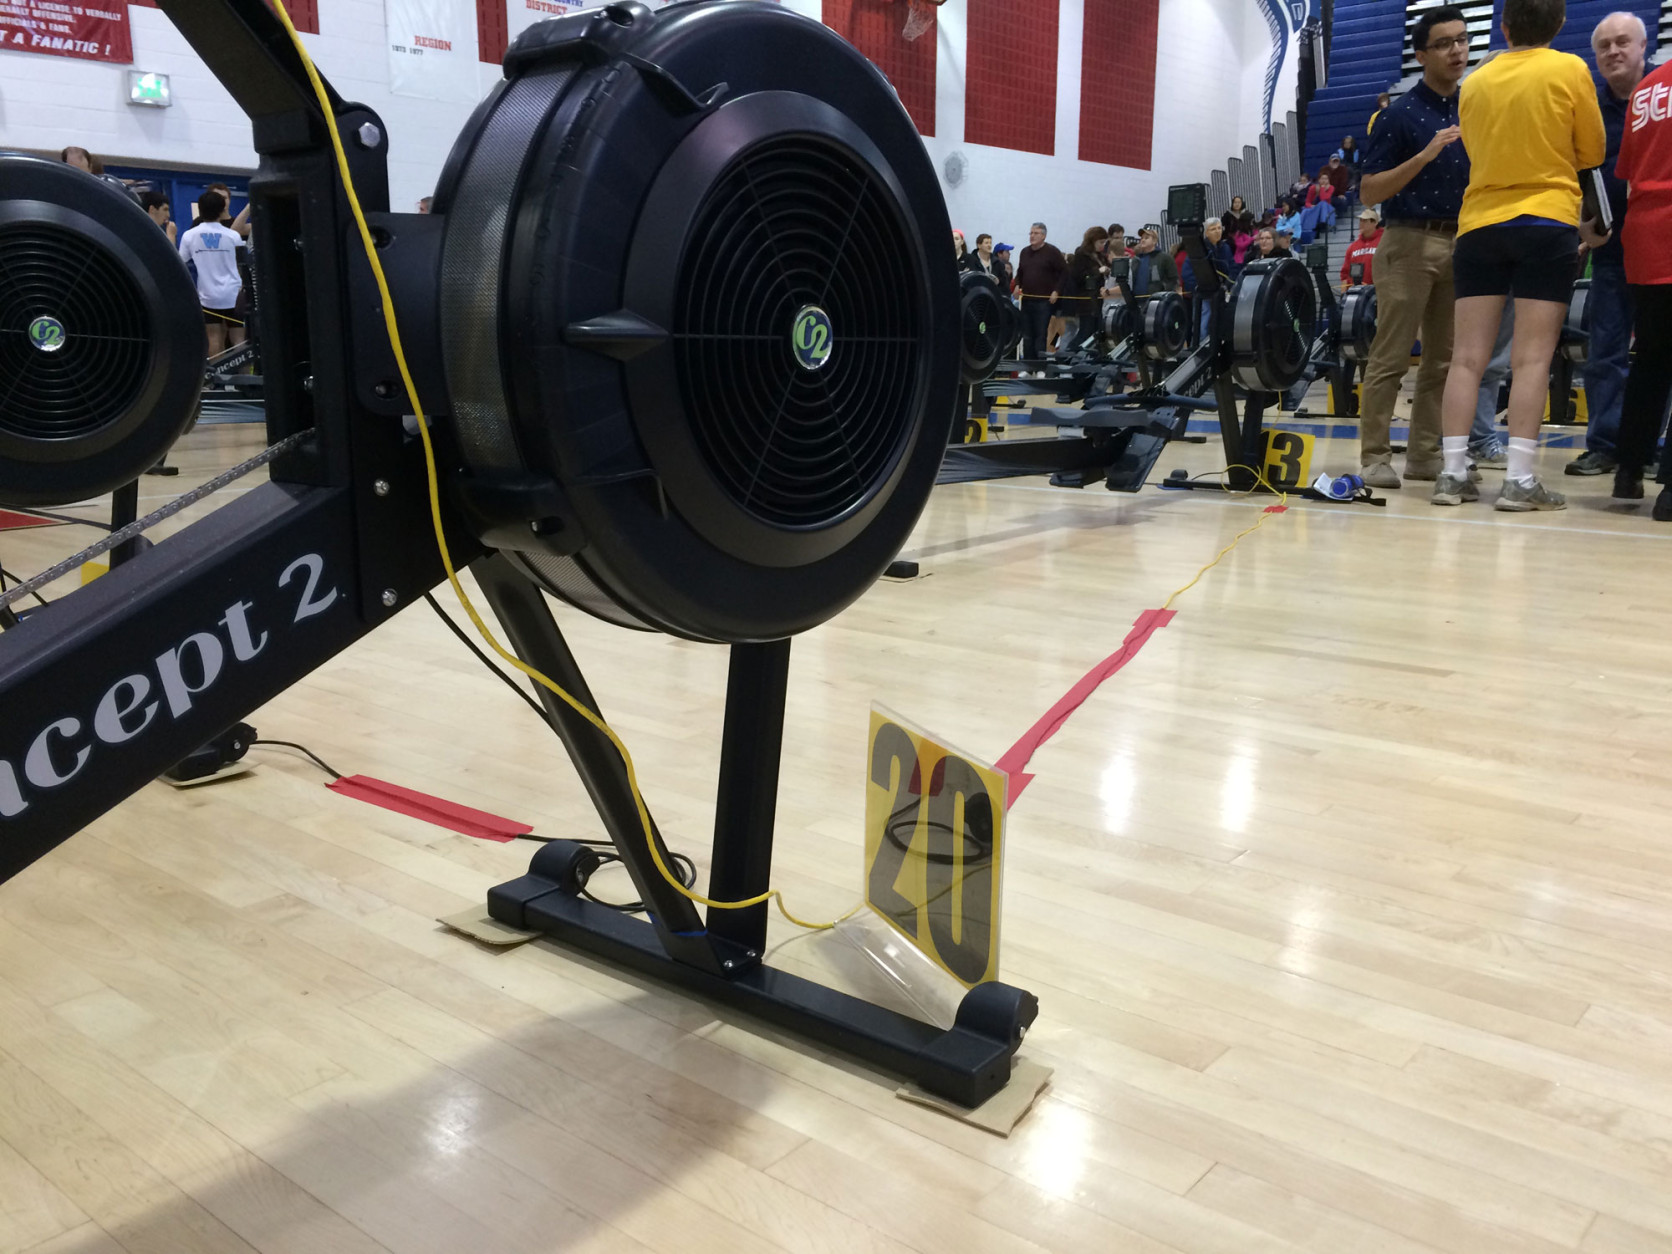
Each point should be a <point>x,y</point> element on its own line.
<point>1348,903</point>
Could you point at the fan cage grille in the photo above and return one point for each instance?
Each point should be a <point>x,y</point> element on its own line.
<point>102,368</point>
<point>797,221</point>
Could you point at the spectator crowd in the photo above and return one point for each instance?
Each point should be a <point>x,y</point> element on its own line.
<point>1473,227</point>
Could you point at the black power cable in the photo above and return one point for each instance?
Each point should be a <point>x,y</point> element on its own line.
<point>488,662</point>
<point>318,761</point>
<point>683,868</point>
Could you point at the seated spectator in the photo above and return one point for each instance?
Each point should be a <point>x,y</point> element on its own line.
<point>1266,245</point>
<point>1361,253</point>
<point>1282,244</point>
<point>1234,218</point>
<point>1323,193</point>
<point>1530,122</point>
<point>1340,179</point>
<point>1288,219</point>
<point>1315,220</point>
<point>1351,155</point>
<point>1219,254</point>
<point>1241,241</point>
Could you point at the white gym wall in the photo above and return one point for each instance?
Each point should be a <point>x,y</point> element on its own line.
<point>1209,84</point>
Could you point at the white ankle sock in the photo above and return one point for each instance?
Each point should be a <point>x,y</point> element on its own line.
<point>1521,454</point>
<point>1456,449</point>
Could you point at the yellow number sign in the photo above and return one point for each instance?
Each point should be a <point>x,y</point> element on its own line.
<point>1287,458</point>
<point>934,831</point>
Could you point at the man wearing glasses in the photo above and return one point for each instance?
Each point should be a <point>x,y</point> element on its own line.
<point>1417,171</point>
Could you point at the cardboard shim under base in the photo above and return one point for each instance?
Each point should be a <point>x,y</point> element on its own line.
<point>230,771</point>
<point>478,924</point>
<point>1002,1111</point>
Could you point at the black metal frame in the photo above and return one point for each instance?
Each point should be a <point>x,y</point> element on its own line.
<point>720,956</point>
<point>106,689</point>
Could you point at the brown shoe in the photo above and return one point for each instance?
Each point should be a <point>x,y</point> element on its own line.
<point>1380,475</point>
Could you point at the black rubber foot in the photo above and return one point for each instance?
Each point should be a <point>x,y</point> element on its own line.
<point>901,570</point>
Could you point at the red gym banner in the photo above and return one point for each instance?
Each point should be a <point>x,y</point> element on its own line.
<point>88,31</point>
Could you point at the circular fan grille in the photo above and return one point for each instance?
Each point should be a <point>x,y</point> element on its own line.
<point>798,349</point>
<point>75,345</point>
<point>1289,330</point>
<point>984,327</point>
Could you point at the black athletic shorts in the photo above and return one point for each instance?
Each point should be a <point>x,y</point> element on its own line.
<point>221,317</point>
<point>1527,262</point>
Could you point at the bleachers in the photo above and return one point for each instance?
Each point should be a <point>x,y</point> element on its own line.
<point>1364,60</point>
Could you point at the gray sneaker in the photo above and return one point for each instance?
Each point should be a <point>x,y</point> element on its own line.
<point>1491,456</point>
<point>1380,475</point>
<point>1588,463</point>
<point>1524,498</point>
<point>1453,490</point>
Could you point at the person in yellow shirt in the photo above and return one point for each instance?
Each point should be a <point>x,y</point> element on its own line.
<point>1530,124</point>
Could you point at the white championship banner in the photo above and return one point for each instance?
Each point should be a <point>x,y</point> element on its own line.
<point>432,49</point>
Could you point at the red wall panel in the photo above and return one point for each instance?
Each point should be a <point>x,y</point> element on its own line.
<point>1117,83</point>
<point>304,15</point>
<point>874,27</point>
<point>1010,83</point>
<point>492,30</point>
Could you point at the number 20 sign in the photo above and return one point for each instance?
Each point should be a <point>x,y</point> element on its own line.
<point>934,842</point>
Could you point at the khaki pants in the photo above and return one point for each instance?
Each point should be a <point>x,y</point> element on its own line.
<point>1413,301</point>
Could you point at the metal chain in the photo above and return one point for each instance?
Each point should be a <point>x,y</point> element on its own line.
<point>150,520</point>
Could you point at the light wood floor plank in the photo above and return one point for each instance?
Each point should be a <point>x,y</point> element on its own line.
<point>1348,903</point>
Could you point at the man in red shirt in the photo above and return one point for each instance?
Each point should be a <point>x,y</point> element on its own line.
<point>1362,251</point>
<point>1646,164</point>
<point>1039,273</point>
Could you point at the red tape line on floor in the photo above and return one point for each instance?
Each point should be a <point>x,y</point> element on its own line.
<point>420,805</point>
<point>1018,755</point>
<point>11,520</point>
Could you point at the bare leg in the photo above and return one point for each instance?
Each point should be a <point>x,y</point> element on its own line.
<point>215,330</point>
<point>234,336</point>
<point>1474,334</point>
<point>1538,326</point>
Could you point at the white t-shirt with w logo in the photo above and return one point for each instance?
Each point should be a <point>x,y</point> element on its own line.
<point>213,249</point>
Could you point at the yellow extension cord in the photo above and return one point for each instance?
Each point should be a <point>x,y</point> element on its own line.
<point>771,894</point>
<point>579,707</point>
